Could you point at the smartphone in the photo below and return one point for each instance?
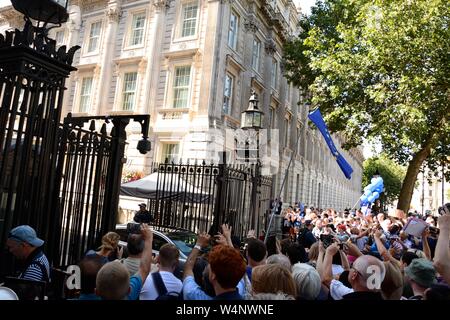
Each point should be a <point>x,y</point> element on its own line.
<point>433,230</point>
<point>341,246</point>
<point>327,239</point>
<point>133,228</point>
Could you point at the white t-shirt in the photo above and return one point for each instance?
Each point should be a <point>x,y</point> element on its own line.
<point>172,283</point>
<point>338,290</point>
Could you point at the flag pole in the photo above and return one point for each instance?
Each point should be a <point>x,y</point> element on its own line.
<point>281,188</point>
<point>354,205</point>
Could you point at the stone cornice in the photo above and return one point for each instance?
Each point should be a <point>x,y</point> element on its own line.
<point>251,24</point>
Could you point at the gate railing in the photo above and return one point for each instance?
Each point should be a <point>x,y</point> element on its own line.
<point>60,179</point>
<point>201,197</point>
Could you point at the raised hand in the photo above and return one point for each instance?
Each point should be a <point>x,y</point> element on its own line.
<point>220,239</point>
<point>203,239</point>
<point>226,231</point>
<point>251,234</point>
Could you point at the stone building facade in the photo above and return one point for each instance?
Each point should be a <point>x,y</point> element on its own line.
<point>191,64</point>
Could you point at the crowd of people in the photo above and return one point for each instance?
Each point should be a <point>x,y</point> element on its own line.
<point>321,255</point>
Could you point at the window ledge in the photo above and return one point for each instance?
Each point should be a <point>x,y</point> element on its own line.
<point>86,67</point>
<point>257,80</point>
<point>136,47</point>
<point>232,60</point>
<point>128,60</point>
<point>120,113</point>
<point>180,53</point>
<point>80,114</point>
<point>185,39</point>
<point>91,54</point>
<point>173,109</point>
<point>231,119</point>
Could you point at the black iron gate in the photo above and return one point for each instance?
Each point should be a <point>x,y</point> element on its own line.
<point>61,179</point>
<point>32,76</point>
<point>201,197</point>
<point>86,192</point>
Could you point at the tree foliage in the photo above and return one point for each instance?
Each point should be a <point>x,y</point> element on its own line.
<point>392,174</point>
<point>379,70</point>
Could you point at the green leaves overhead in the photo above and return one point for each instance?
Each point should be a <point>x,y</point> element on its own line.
<point>377,69</point>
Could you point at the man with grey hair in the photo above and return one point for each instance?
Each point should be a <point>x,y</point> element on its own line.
<point>365,277</point>
<point>307,281</point>
<point>280,259</point>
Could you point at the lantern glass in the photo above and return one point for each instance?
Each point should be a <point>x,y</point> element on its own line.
<point>257,120</point>
<point>248,119</point>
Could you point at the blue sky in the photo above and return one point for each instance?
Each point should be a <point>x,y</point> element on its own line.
<point>305,5</point>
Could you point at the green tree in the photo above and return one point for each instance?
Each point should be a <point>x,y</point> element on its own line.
<point>379,70</point>
<point>392,174</point>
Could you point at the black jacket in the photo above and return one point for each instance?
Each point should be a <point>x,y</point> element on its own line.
<point>143,217</point>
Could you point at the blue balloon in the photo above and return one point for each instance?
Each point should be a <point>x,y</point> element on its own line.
<point>378,183</point>
<point>372,191</point>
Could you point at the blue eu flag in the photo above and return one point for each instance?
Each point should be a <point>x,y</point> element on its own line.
<point>316,117</point>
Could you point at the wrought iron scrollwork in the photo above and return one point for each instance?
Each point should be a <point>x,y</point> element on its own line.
<point>37,39</point>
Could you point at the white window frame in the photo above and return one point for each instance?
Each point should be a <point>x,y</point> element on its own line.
<point>89,94</point>
<point>274,74</point>
<point>287,132</point>
<point>272,115</point>
<point>129,33</point>
<point>257,57</point>
<point>234,31</point>
<point>171,88</point>
<point>88,37</point>
<point>162,152</point>
<point>179,29</point>
<point>229,98</point>
<point>122,91</point>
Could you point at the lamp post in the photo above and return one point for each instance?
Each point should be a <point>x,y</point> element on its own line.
<point>47,11</point>
<point>423,191</point>
<point>252,119</point>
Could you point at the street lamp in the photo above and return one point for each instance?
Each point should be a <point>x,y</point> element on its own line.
<point>48,11</point>
<point>252,119</point>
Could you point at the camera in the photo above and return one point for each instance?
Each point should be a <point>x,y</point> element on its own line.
<point>133,228</point>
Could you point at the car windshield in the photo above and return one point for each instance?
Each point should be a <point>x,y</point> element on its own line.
<point>185,241</point>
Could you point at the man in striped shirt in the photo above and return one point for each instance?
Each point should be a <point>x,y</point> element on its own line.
<point>24,244</point>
